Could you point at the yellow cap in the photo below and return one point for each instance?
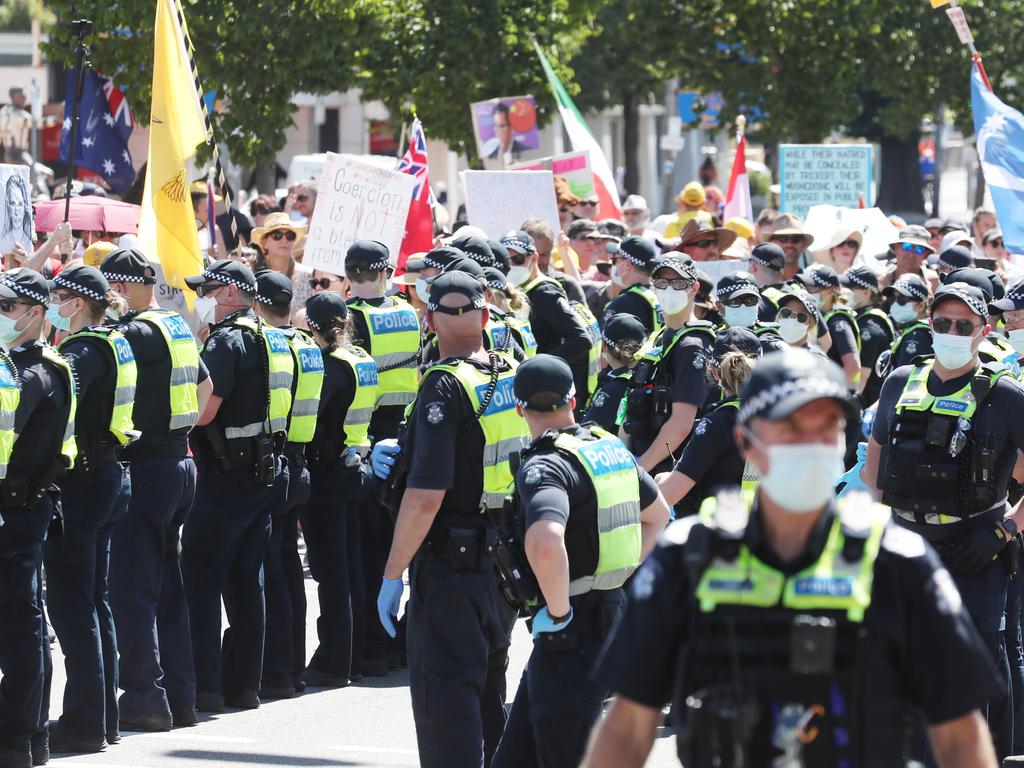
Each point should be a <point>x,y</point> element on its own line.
<point>97,252</point>
<point>693,194</point>
<point>740,226</point>
<point>200,188</point>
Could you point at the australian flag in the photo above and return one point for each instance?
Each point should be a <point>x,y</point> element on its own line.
<point>1000,137</point>
<point>104,125</point>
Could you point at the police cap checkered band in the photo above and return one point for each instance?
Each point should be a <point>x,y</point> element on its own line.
<point>855,280</point>
<point>782,382</point>
<point>820,276</point>
<point>325,309</point>
<point>911,288</point>
<point>440,258</point>
<point>227,272</point>
<point>543,383</point>
<point>769,255</point>
<point>639,251</point>
<point>369,255</point>
<point>738,282</point>
<point>473,305</point>
<point>968,294</point>
<point>89,287</point>
<point>679,262</point>
<point>128,265</point>
<point>222,278</point>
<point>519,241</point>
<point>27,283</point>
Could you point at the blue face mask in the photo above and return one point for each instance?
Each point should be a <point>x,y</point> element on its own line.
<point>741,317</point>
<point>57,320</point>
<point>8,332</point>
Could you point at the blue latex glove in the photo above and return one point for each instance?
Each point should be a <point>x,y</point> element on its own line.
<point>382,459</point>
<point>852,477</point>
<point>387,604</point>
<point>542,622</point>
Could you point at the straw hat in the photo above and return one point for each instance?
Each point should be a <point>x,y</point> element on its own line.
<point>274,222</point>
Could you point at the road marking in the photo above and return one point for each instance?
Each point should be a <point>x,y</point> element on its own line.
<point>375,750</point>
<point>196,738</point>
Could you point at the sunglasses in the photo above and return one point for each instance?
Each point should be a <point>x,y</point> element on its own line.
<point>518,258</point>
<point>946,324</point>
<point>679,284</point>
<point>790,239</point>
<point>786,313</point>
<point>206,290</point>
<point>588,204</point>
<point>323,282</point>
<point>704,243</point>
<point>302,198</point>
<point>564,209</point>
<point>746,300</point>
<point>997,243</point>
<point>279,234</point>
<point>901,299</point>
<point>849,244</point>
<point>919,250</point>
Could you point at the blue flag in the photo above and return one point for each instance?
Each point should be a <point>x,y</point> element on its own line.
<point>1000,136</point>
<point>104,125</point>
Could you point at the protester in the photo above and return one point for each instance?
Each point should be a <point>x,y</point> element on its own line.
<point>842,250</point>
<point>690,205</point>
<point>277,238</point>
<point>788,233</point>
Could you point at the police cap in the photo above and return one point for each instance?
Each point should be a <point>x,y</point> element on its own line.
<point>769,255</point>
<point>325,309</point>
<point>912,286</point>
<point>440,258</point>
<point>970,295</point>
<point>621,327</point>
<point>273,288</point>
<point>979,278</point>
<point>736,339</point>
<point>1011,302</point>
<point>859,277</point>
<point>544,383</point>
<point>500,254</point>
<point>520,241</point>
<point>24,283</point>
<point>476,248</point>
<point>737,284</point>
<point>819,276</point>
<point>86,281</point>
<point>639,251</point>
<point>456,282</point>
<point>495,279</point>
<point>128,265</point>
<point>787,380</point>
<point>956,257</point>
<point>367,256</point>
<point>678,262</point>
<point>225,271</point>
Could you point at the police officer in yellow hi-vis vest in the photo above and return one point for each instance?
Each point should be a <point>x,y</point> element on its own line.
<point>284,652</point>
<point>42,444</point>
<point>238,453</point>
<point>94,496</point>
<point>789,629</point>
<point>458,440</point>
<point>586,514</point>
<point>156,671</point>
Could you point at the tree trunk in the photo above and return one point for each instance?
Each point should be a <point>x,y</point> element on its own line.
<point>631,142</point>
<point>264,177</point>
<point>979,187</point>
<point>900,190</point>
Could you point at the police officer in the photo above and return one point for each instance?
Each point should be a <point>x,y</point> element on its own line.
<point>156,670</point>
<point>908,309</point>
<point>238,456</point>
<point>943,445</point>
<point>994,348</point>
<point>284,652</point>
<point>560,328</point>
<point>1008,311</point>
<point>622,337</point>
<point>822,284</point>
<point>387,328</point>
<point>741,303</point>
<point>954,257</point>
<point>43,416</point>
<point>94,496</point>
<point>475,247</point>
<point>330,519</point>
<point>586,516</point>
<point>505,332</point>
<point>631,271</point>
<point>876,330</point>
<point>461,432</point>
<point>767,263</point>
<point>711,460</point>
<point>668,385</point>
<point>793,630</point>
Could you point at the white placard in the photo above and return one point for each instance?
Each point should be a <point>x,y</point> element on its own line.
<point>829,174</point>
<point>500,201</point>
<point>356,201</point>
<point>16,208</point>
<point>716,270</point>
<point>963,29</point>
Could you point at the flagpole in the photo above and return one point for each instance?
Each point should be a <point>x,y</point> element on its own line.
<point>80,28</point>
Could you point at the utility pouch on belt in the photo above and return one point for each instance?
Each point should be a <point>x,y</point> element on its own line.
<point>265,465</point>
<point>464,548</point>
<point>56,528</point>
<point>812,645</point>
<point>720,725</point>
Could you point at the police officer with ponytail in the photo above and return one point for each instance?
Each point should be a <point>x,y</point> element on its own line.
<point>586,515</point>
<point>238,453</point>
<point>621,339</point>
<point>41,446</point>
<point>94,496</point>
<point>789,628</point>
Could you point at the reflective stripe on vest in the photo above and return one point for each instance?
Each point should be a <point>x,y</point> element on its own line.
<point>395,345</point>
<point>831,583</point>
<point>10,396</point>
<point>851,317</point>
<point>751,475</point>
<point>184,353</point>
<point>653,353</point>
<point>593,331</point>
<point>309,381</point>
<point>773,295</point>
<point>68,448</point>
<point>914,326</point>
<point>121,426</point>
<point>279,380</point>
<point>996,349</point>
<point>505,432</point>
<point>915,395</point>
<point>611,469</point>
<point>357,419</point>
<point>647,294</point>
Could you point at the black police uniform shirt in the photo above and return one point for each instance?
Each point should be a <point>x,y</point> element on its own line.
<point>875,338</point>
<point>631,303</point>
<point>604,405</point>
<point>235,362</point>
<point>446,442</point>
<point>915,344</point>
<point>42,413</point>
<point>152,412</point>
<point>552,486</point>
<point>559,331</point>
<point>336,395</point>
<point>96,378</point>
<point>844,340</point>
<point>711,458</point>
<point>598,298</point>
<point>915,625</point>
<point>570,285</point>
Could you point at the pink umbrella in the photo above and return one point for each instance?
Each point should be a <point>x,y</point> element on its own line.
<point>91,213</point>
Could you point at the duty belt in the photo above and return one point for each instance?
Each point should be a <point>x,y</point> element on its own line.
<point>936,527</point>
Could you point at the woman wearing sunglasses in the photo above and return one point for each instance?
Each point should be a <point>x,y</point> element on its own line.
<point>798,320</point>
<point>277,238</point>
<point>842,251</point>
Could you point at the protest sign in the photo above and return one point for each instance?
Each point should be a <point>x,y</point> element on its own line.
<point>831,174</point>
<point>716,270</point>
<point>574,167</point>
<point>16,208</point>
<point>504,126</point>
<point>499,201</point>
<point>356,201</point>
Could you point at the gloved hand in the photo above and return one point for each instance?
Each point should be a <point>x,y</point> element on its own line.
<point>977,550</point>
<point>382,459</point>
<point>542,622</point>
<point>852,476</point>
<point>387,604</point>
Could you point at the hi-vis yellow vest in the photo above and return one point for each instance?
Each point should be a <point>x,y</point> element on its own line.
<point>121,426</point>
<point>647,294</point>
<point>395,345</point>
<point>181,345</point>
<point>611,469</point>
<point>279,380</point>
<point>357,418</point>
<point>593,331</point>
<point>505,432</point>
<point>10,396</point>
<point>309,380</point>
<point>69,448</point>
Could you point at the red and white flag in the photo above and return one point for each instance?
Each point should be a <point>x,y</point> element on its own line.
<point>737,202</point>
<point>419,226</point>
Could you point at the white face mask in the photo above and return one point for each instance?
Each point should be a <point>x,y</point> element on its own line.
<point>672,301</point>
<point>801,478</point>
<point>792,330</point>
<point>953,351</point>
<point>741,317</point>
<point>1016,339</point>
<point>518,275</point>
<point>423,289</point>
<point>903,313</point>
<point>205,308</point>
<point>617,276</point>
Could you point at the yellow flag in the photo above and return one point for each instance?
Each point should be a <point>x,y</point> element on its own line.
<point>940,3</point>
<point>167,227</point>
